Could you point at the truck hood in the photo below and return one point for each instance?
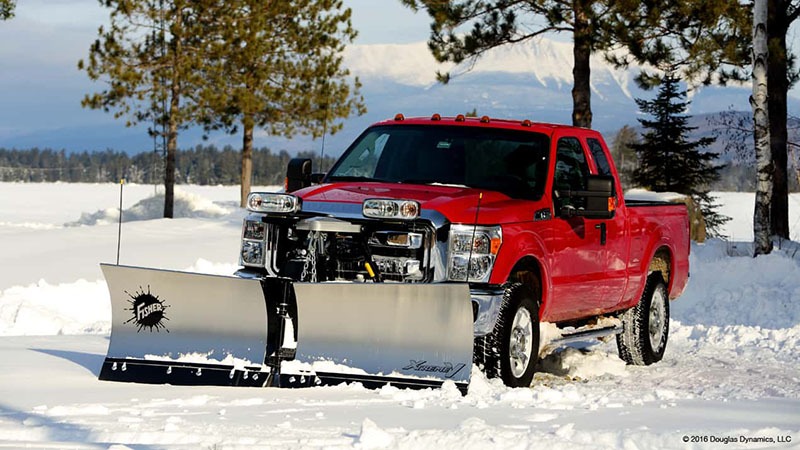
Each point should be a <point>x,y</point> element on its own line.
<point>457,203</point>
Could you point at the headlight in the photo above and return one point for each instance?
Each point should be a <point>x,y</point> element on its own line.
<point>472,249</point>
<point>384,208</point>
<point>253,243</point>
<point>269,202</point>
<point>253,253</point>
<point>254,230</point>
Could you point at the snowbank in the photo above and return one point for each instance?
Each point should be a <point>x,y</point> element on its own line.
<point>760,292</point>
<point>43,309</point>
<point>185,205</point>
<point>730,368</point>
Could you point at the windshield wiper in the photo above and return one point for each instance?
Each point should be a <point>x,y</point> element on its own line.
<point>416,181</point>
<point>351,178</point>
<point>429,182</point>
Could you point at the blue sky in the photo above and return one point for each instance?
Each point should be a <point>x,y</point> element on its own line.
<point>41,87</point>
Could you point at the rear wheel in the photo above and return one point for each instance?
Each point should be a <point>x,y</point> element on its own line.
<point>645,327</point>
<point>511,350</point>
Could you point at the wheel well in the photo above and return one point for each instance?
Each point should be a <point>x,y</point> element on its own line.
<point>661,262</point>
<point>528,272</point>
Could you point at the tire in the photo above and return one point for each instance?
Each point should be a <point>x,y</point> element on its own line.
<point>510,352</point>
<point>645,327</point>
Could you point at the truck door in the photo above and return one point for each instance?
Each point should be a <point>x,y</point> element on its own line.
<point>578,259</point>
<point>617,234</point>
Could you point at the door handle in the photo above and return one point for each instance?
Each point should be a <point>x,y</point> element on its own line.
<point>603,233</point>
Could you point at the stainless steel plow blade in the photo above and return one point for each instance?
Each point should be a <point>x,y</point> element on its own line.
<point>185,328</point>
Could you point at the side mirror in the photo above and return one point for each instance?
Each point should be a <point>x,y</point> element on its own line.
<point>601,202</point>
<point>298,174</point>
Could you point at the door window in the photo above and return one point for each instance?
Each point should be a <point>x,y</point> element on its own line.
<point>572,172</point>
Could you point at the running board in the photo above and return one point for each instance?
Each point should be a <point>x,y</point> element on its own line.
<point>581,334</point>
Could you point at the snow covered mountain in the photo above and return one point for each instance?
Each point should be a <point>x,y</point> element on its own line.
<point>531,80</point>
<point>545,62</point>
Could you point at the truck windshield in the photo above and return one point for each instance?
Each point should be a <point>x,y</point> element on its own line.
<point>508,161</point>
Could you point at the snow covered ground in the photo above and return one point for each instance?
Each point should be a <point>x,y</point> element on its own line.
<point>730,378</point>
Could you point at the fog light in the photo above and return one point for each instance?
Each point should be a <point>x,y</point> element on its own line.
<point>254,230</point>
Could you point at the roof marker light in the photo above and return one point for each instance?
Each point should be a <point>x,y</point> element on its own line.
<point>485,119</point>
<point>436,117</point>
<point>399,117</point>
<point>460,118</point>
<point>526,123</point>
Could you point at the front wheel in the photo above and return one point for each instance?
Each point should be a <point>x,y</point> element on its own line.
<point>645,327</point>
<point>511,350</point>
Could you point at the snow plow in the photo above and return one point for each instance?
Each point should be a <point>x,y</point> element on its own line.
<point>194,329</point>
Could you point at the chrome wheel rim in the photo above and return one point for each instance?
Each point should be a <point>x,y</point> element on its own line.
<point>520,345</point>
<point>657,319</point>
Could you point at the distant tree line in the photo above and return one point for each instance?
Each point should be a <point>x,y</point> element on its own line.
<point>204,165</point>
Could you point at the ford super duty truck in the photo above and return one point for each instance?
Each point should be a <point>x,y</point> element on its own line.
<point>530,215</point>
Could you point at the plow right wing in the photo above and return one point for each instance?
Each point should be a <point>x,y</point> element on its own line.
<point>412,335</point>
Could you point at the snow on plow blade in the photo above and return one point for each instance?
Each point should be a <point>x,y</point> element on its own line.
<point>196,329</point>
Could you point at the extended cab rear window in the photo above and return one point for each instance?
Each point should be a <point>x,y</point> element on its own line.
<point>509,161</point>
<point>600,160</point>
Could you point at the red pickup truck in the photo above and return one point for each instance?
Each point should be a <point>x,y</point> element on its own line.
<point>531,215</point>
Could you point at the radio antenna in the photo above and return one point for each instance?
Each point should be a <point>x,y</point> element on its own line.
<point>119,229</point>
<point>474,229</point>
<point>324,132</point>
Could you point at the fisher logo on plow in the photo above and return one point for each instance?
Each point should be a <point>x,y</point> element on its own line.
<point>148,310</point>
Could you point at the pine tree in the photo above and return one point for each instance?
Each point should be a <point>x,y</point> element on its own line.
<point>702,36</point>
<point>150,58</point>
<point>496,23</point>
<point>702,41</point>
<point>7,9</point>
<point>278,66</point>
<point>667,32</point>
<point>668,161</point>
